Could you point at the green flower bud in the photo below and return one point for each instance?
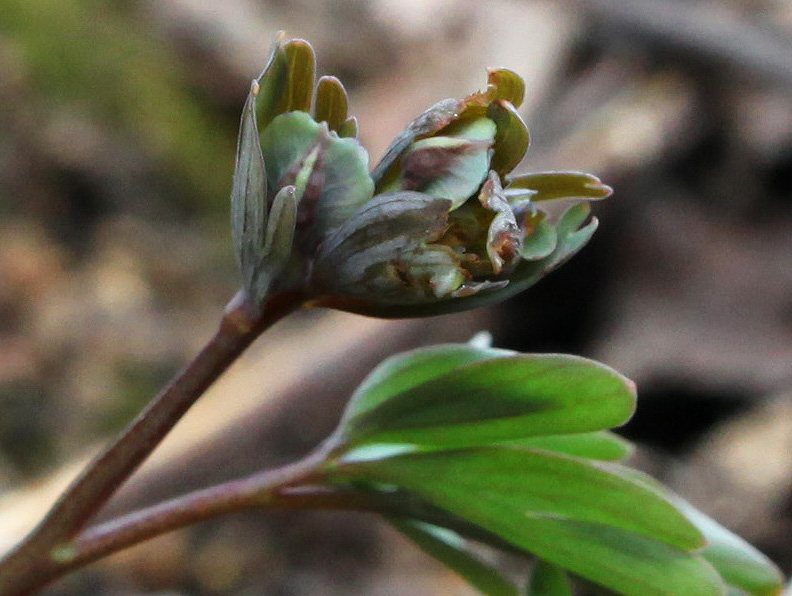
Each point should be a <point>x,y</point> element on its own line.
<point>297,175</point>
<point>437,226</point>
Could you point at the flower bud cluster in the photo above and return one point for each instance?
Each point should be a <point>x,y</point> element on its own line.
<point>438,225</point>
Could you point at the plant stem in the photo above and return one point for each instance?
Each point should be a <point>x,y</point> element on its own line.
<point>259,490</point>
<point>32,563</point>
<point>287,487</point>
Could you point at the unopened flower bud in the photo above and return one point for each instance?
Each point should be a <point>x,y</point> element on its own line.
<point>437,226</point>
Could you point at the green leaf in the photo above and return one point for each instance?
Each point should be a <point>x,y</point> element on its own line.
<point>277,242</point>
<point>743,567</point>
<point>539,242</point>
<point>287,81</point>
<point>248,196</point>
<point>349,128</point>
<point>431,121</point>
<point>739,563</point>
<point>625,562</point>
<point>331,103</point>
<point>300,75</point>
<point>503,86</point>
<point>551,186</point>
<point>511,138</point>
<point>451,166</point>
<point>572,237</point>
<point>496,487</point>
<point>499,400</point>
<point>548,580</point>
<point>295,146</point>
<point>448,548</point>
<point>602,445</point>
<point>404,371</point>
<point>507,85</point>
<point>572,514</point>
<point>288,140</point>
<point>347,184</point>
<point>273,82</point>
<point>444,167</point>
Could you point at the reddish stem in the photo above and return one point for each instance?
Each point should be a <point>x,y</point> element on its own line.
<point>259,490</point>
<point>296,486</point>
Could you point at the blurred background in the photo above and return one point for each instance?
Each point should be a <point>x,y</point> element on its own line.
<point>118,124</point>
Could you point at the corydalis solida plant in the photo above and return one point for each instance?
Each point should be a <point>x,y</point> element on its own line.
<point>455,441</point>
<point>438,225</point>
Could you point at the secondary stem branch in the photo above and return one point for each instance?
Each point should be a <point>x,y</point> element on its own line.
<point>259,490</point>
<point>289,487</point>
